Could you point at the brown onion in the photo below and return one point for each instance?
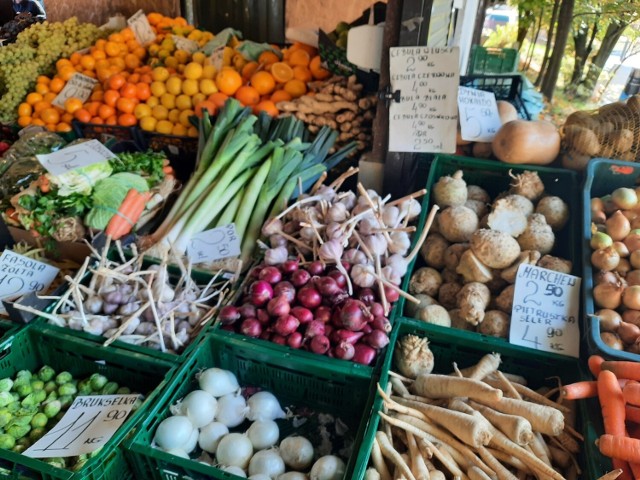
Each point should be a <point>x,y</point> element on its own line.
<point>618,226</point>
<point>599,218</point>
<point>608,295</point>
<point>597,205</point>
<point>623,267</point>
<point>630,214</point>
<point>633,277</point>
<point>635,223</point>
<point>631,297</point>
<point>621,248</point>
<point>605,259</point>
<point>628,332</point>
<point>634,259</point>
<point>634,348</point>
<point>609,319</point>
<point>624,197</point>
<point>633,240</point>
<point>612,340</point>
<point>631,316</point>
<point>605,277</point>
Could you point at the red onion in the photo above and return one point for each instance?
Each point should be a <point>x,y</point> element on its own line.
<point>263,317</point>
<point>316,268</point>
<point>320,344</point>
<point>352,316</point>
<point>285,288</point>
<point>367,328</point>
<point>261,292</point>
<point>346,265</point>
<point>339,278</point>
<point>314,328</point>
<point>251,327</point>
<point>344,351</point>
<point>366,296</point>
<point>270,274</point>
<point>228,315</point>
<point>377,339</point>
<point>309,297</point>
<point>247,310</point>
<point>327,286</point>
<point>304,315</point>
<point>228,328</point>
<point>347,336</point>
<point>364,354</point>
<point>328,329</point>
<point>300,278</point>
<point>322,314</point>
<point>265,335</point>
<point>290,266</point>
<point>391,294</point>
<point>279,339</point>
<point>295,340</point>
<point>286,325</point>
<point>376,309</point>
<point>336,299</point>
<point>381,323</point>
<point>255,271</point>
<point>278,306</point>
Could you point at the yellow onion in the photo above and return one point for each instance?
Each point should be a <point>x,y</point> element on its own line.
<point>631,316</point>
<point>606,277</point>
<point>612,340</point>
<point>623,267</point>
<point>621,248</point>
<point>606,259</point>
<point>597,205</point>
<point>600,240</point>
<point>624,198</point>
<point>609,319</point>
<point>628,332</point>
<point>631,297</point>
<point>608,295</point>
<point>635,223</point>
<point>633,240</point>
<point>634,259</point>
<point>618,226</point>
<point>599,217</point>
<point>633,277</point>
<point>630,214</point>
<point>609,205</point>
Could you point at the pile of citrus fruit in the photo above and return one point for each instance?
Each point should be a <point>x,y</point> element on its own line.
<point>161,87</point>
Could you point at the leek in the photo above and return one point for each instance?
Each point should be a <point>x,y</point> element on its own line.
<point>250,197</point>
<point>230,211</point>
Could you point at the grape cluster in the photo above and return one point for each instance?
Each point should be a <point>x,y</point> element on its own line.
<point>34,53</point>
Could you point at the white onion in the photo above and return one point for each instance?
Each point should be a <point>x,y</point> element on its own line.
<point>235,470</point>
<point>264,406</point>
<point>210,435</point>
<point>178,452</point>
<point>218,382</point>
<point>173,432</point>
<point>268,462</point>
<point>328,467</point>
<point>232,410</point>
<point>297,452</point>
<point>293,476</point>
<point>190,446</point>
<point>263,434</point>
<point>200,407</point>
<point>234,450</point>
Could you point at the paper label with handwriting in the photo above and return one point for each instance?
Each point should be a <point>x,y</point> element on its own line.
<point>76,156</point>
<point>214,244</point>
<point>185,44</point>
<point>20,275</point>
<point>217,58</point>
<point>88,425</point>
<point>479,117</point>
<point>425,118</point>
<point>141,28</point>
<point>546,308</point>
<point>79,86</point>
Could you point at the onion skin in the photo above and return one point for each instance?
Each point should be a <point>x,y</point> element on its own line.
<point>633,277</point>
<point>624,198</point>
<point>623,267</point>
<point>621,248</point>
<point>251,327</point>
<point>605,277</point>
<point>295,340</point>
<point>612,340</point>
<point>605,259</point>
<point>628,332</point>
<point>631,297</point>
<point>607,295</point>
<point>304,315</point>
<point>600,240</point>
<point>610,320</point>
<point>320,344</point>
<point>634,259</point>
<point>632,241</point>
<point>618,226</point>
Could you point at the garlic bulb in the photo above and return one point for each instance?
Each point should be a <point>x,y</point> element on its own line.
<point>390,275</point>
<point>390,215</point>
<point>376,244</point>
<point>410,208</point>
<point>398,263</point>
<point>363,275</point>
<point>356,257</point>
<point>276,256</point>
<point>271,227</point>
<point>337,213</point>
<point>400,243</point>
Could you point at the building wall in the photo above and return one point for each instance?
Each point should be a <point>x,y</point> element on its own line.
<point>323,13</point>
<point>98,11</point>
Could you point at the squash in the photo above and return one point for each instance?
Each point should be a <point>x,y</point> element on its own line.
<point>506,111</point>
<point>482,150</point>
<point>521,141</point>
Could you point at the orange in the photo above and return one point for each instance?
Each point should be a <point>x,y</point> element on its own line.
<point>302,73</point>
<point>41,88</point>
<point>33,98</point>
<point>66,118</point>
<point>92,108</point>
<point>158,88</point>
<point>266,106</point>
<point>131,61</point>
<point>88,62</point>
<point>49,97</point>
<point>263,82</point>
<point>116,82</point>
<point>43,79</point>
<point>24,121</point>
<point>96,121</point>
<point>133,78</point>
<point>296,88</point>
<point>174,85</point>
<point>63,127</point>
<point>193,71</point>
<point>111,97</point>
<point>127,120</point>
<point>56,85</point>
<point>112,49</point>
<point>98,55</point>
<point>72,104</point>
<point>112,120</point>
<point>37,121</point>
<point>154,18</point>
<point>63,62</point>
<point>125,105</point>
<point>106,111</point>
<point>174,115</point>
<point>248,96</point>
<point>41,106</point>
<point>317,70</point>
<point>281,72</point>
<point>184,117</point>
<point>228,81</point>
<point>209,71</point>
<point>268,57</point>
<point>183,102</point>
<point>82,115</point>
<point>218,99</point>
<point>280,96</point>
<point>152,101</point>
<point>97,96</point>
<point>50,116</point>
<point>299,57</point>
<point>51,127</point>
<point>128,90</point>
<point>208,105</point>
<point>193,132</point>
<point>179,130</point>
<point>66,73</point>
<point>168,101</point>
<point>24,110</point>
<point>143,92</point>
<point>197,98</point>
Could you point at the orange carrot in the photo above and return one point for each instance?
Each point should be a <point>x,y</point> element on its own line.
<point>632,414</point>
<point>613,414</point>
<point>628,370</point>
<point>631,393</point>
<point>620,447</point>
<point>44,184</point>
<point>579,390</point>
<point>595,363</point>
<point>128,214</point>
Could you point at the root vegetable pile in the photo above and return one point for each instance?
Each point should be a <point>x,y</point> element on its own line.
<point>615,242</point>
<point>238,431</point>
<point>475,423</point>
<point>473,257</point>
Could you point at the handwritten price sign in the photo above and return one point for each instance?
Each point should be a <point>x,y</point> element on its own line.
<point>79,86</point>
<point>214,244</point>
<point>546,305</point>
<point>479,118</point>
<point>76,156</point>
<point>88,424</point>
<point>185,44</point>
<point>141,28</point>
<point>20,275</point>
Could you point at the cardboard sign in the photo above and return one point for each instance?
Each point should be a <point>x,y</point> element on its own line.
<point>217,58</point>
<point>20,275</point>
<point>425,118</point>
<point>76,156</point>
<point>479,117</point>
<point>141,28</point>
<point>79,86</point>
<point>546,308</point>
<point>88,424</point>
<point>185,44</point>
<point>214,244</point>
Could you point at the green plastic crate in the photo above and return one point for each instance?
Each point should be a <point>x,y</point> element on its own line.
<point>603,177</point>
<point>38,345</point>
<point>492,60</point>
<point>8,329</point>
<point>467,352</point>
<point>494,177</point>
<point>293,380</point>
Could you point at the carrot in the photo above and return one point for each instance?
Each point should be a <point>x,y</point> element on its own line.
<point>628,370</point>
<point>612,403</point>
<point>632,414</point>
<point>443,386</point>
<point>128,214</point>
<point>579,390</point>
<point>620,447</point>
<point>595,364</point>
<point>631,393</point>
<point>44,184</point>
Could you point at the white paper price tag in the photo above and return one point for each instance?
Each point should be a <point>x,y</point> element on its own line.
<point>185,44</point>
<point>88,424</point>
<point>20,275</point>
<point>546,306</point>
<point>217,58</point>
<point>214,244</point>
<point>479,117</point>
<point>425,118</point>
<point>75,156</point>
<point>79,86</point>
<point>141,28</point>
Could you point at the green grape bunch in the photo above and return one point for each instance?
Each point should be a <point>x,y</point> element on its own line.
<point>35,52</point>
